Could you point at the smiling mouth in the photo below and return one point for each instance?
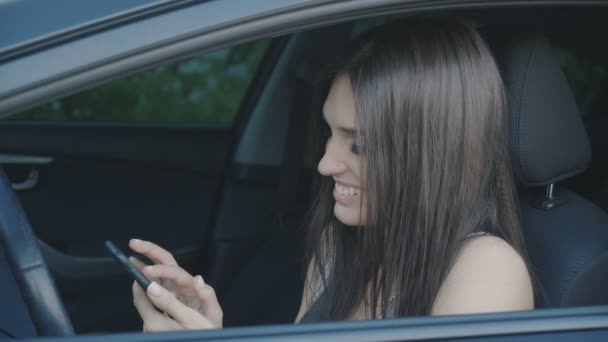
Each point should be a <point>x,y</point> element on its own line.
<point>346,195</point>
<point>347,191</point>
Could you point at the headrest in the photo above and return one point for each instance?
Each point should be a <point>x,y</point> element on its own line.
<point>548,139</point>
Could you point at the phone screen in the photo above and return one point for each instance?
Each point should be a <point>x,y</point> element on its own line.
<point>124,260</point>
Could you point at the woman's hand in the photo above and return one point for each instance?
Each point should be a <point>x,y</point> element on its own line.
<point>175,300</point>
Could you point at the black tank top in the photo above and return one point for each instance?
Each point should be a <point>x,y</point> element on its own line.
<point>314,313</point>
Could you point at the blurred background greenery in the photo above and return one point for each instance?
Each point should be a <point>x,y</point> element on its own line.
<point>206,89</point>
<point>587,80</point>
<point>209,89</point>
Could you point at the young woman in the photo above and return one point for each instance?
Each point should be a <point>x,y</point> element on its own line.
<point>416,212</point>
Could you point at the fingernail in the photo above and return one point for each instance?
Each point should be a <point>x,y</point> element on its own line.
<point>199,281</point>
<point>148,268</point>
<point>155,290</point>
<point>136,241</point>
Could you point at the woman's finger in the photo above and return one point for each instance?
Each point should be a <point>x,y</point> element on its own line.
<point>173,273</point>
<point>144,306</point>
<point>140,265</point>
<point>153,251</point>
<point>182,314</point>
<point>211,307</point>
<point>137,263</point>
<point>193,292</point>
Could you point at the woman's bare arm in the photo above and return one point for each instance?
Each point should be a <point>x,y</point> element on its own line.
<point>488,276</point>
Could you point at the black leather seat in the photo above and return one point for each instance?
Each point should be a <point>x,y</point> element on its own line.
<point>566,235</point>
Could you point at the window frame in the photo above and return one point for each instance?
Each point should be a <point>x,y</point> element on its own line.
<point>591,321</point>
<point>278,17</point>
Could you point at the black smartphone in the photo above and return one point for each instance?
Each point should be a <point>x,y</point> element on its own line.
<point>124,260</point>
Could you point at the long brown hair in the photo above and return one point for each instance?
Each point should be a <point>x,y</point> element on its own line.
<point>433,129</point>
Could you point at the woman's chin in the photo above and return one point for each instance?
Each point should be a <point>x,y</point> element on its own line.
<point>348,216</point>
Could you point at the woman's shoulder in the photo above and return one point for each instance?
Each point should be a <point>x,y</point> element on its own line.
<point>487,275</point>
<point>481,248</point>
<point>484,251</point>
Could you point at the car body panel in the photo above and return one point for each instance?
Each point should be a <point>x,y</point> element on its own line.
<point>590,323</point>
<point>20,20</point>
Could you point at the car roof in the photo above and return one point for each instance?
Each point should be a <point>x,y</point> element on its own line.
<point>24,21</point>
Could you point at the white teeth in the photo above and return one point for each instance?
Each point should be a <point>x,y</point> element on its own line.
<point>346,190</point>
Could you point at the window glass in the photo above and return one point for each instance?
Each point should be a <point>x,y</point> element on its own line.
<point>586,79</point>
<point>206,89</point>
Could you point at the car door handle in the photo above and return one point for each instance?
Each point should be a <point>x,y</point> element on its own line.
<point>29,183</point>
<point>33,175</point>
<point>23,159</point>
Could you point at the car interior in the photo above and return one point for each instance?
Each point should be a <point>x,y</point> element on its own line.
<point>230,200</point>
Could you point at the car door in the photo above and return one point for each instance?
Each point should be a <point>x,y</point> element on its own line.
<point>233,25</point>
<point>139,157</point>
<point>575,324</point>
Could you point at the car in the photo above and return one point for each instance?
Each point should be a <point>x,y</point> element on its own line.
<point>183,122</point>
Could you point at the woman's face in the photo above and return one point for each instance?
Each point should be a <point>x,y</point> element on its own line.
<point>341,160</point>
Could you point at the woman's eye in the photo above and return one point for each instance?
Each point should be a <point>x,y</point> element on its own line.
<point>354,149</point>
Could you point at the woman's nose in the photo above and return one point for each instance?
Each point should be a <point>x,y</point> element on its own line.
<point>330,165</point>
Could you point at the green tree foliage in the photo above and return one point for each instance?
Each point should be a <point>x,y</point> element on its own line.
<point>586,78</point>
<point>206,89</point>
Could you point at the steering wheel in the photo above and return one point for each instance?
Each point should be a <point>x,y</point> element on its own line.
<point>33,278</point>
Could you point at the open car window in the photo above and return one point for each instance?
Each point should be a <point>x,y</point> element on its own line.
<point>194,165</point>
<point>206,90</point>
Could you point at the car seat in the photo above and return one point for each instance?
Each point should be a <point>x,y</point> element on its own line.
<point>566,235</point>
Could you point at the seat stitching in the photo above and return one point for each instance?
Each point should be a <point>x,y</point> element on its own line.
<point>577,273</point>
<point>521,116</point>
